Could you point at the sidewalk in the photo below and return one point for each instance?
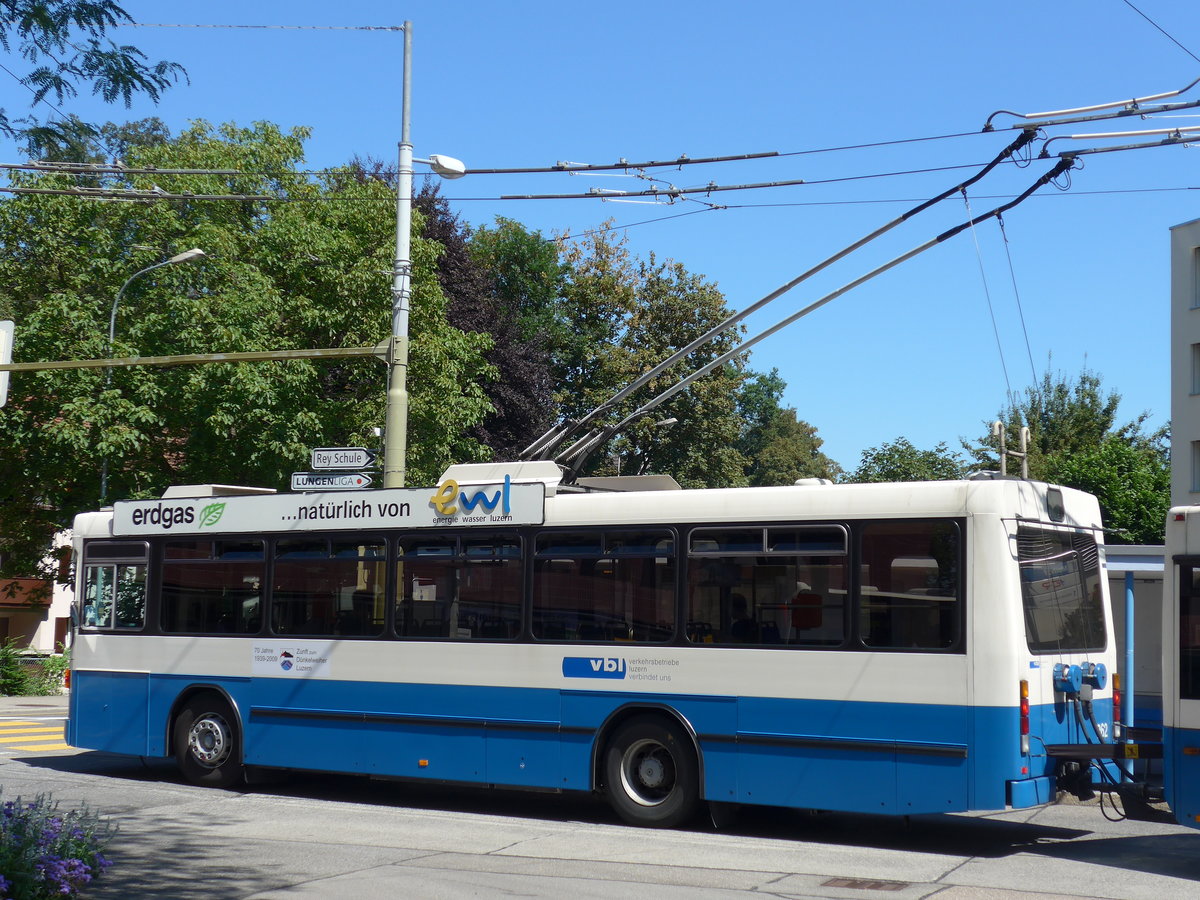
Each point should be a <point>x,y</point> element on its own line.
<point>34,706</point>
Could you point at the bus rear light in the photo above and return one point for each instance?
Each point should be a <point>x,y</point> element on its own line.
<point>1024,717</point>
<point>67,679</point>
<point>1116,683</point>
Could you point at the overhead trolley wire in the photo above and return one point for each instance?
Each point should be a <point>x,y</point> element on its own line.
<point>1169,37</point>
<point>1017,294</point>
<point>988,294</point>
<point>1122,107</point>
<point>573,458</point>
<point>554,438</point>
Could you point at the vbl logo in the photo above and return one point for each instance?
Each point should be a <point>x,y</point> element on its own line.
<point>593,667</point>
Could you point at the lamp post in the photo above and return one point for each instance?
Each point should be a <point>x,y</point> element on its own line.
<point>185,256</point>
<point>396,422</point>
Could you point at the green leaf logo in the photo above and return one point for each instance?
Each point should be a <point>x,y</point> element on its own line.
<point>211,514</point>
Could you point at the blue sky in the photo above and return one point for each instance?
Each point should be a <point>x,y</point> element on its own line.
<point>913,353</point>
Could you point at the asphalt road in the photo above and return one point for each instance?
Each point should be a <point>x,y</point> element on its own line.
<point>331,837</point>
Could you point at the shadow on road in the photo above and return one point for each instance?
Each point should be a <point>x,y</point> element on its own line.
<point>225,868</point>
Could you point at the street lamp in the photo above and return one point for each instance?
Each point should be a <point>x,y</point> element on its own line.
<point>396,422</point>
<point>185,256</point>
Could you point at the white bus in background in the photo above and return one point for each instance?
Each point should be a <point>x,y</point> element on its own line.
<point>887,648</point>
<point>1181,665</point>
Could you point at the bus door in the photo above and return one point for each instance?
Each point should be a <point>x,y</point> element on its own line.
<point>1181,720</point>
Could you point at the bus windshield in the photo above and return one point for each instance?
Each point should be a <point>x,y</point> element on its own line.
<point>1060,590</point>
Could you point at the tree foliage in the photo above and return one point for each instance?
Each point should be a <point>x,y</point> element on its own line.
<point>1132,481</point>
<point>1075,440</point>
<point>66,44</point>
<point>778,446</point>
<point>899,460</point>
<point>627,316</point>
<point>309,273</point>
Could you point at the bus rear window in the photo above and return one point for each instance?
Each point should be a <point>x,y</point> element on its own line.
<point>1060,591</point>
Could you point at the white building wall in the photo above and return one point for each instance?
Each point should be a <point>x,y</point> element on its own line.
<point>44,627</point>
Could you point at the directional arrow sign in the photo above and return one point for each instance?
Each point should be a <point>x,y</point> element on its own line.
<point>330,481</point>
<point>342,458</point>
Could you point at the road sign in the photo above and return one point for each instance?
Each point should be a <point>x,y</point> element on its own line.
<point>330,481</point>
<point>6,342</point>
<point>342,458</point>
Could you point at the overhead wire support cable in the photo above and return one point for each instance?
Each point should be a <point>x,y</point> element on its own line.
<point>1141,112</point>
<point>1173,136</point>
<point>573,458</point>
<point>553,438</point>
<point>71,168</point>
<point>135,196</point>
<point>1131,105</point>
<point>574,168</point>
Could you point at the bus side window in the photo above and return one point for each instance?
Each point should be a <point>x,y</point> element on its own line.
<point>114,597</point>
<point>97,596</point>
<point>911,589</point>
<point>129,608</point>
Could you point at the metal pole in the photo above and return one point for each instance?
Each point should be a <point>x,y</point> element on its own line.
<point>396,431</point>
<point>1126,711</point>
<point>112,331</point>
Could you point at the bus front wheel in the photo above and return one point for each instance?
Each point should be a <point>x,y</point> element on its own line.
<point>206,742</point>
<point>651,773</point>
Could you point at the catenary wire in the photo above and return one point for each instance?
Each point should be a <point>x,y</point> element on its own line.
<point>1017,294</point>
<point>988,295</point>
<point>1169,36</point>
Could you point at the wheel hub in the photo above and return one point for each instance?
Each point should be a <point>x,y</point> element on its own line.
<point>208,741</point>
<point>651,772</point>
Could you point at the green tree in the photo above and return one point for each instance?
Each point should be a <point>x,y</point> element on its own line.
<point>599,296</point>
<point>1131,479</point>
<point>1075,440</point>
<point>312,272</point>
<point>1064,414</point>
<point>66,43</point>
<point>899,460</point>
<point>635,314</point>
<point>472,276</point>
<point>779,446</point>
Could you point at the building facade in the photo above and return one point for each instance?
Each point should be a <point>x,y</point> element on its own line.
<point>1185,364</point>
<point>35,612</point>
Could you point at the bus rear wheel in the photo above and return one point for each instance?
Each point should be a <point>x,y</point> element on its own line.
<point>651,773</point>
<point>207,743</point>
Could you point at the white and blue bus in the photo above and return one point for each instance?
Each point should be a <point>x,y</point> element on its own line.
<point>1181,665</point>
<point>884,648</point>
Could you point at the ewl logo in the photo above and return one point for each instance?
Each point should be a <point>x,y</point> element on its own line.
<point>448,499</point>
<point>593,667</point>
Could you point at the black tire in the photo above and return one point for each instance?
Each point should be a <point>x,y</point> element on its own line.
<point>651,773</point>
<point>208,745</point>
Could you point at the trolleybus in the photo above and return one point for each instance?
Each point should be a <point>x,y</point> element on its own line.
<point>1181,665</point>
<point>885,648</point>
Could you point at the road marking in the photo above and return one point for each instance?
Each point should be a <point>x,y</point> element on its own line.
<point>32,735</point>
